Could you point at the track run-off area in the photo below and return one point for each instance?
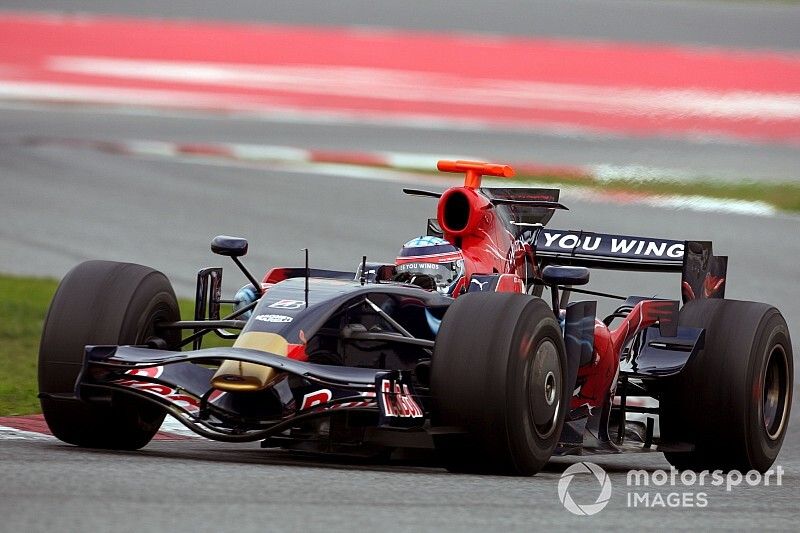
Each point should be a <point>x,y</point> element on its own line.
<point>490,81</point>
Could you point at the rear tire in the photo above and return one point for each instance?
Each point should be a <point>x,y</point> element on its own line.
<point>732,401</point>
<point>102,302</point>
<point>499,374</point>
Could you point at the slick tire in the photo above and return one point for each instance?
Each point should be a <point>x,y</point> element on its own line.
<point>732,401</point>
<point>498,384</point>
<point>102,302</point>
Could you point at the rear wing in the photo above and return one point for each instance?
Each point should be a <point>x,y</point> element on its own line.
<point>703,274</point>
<point>520,207</point>
<point>616,252</point>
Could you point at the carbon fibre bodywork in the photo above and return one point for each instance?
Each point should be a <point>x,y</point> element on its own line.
<point>353,361</point>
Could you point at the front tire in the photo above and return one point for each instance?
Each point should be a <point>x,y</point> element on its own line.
<point>732,401</point>
<point>102,302</point>
<point>499,375</point>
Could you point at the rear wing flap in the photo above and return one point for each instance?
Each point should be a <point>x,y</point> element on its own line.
<point>615,252</point>
<point>703,274</point>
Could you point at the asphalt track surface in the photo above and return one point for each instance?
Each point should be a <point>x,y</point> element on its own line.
<point>199,486</point>
<point>60,206</point>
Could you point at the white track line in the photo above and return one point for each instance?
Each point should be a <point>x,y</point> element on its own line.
<point>169,427</point>
<point>174,427</point>
<point>7,433</point>
<point>425,87</point>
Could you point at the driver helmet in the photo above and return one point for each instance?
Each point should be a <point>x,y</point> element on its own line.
<point>430,262</point>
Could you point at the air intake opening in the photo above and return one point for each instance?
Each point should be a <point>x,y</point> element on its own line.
<point>456,212</point>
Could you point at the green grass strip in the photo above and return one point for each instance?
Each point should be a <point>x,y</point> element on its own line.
<point>23,306</point>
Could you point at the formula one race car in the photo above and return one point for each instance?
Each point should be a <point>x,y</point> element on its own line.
<point>449,348</point>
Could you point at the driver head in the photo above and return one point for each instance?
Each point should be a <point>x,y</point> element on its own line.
<point>430,262</point>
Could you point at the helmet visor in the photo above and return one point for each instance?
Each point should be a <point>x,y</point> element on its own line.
<point>443,275</point>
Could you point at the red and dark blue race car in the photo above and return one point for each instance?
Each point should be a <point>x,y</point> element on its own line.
<point>450,347</point>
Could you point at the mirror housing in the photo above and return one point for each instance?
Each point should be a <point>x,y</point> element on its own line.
<point>229,246</point>
<point>553,276</point>
<point>565,275</point>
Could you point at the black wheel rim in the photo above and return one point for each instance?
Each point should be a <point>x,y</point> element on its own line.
<point>544,388</point>
<point>152,335</point>
<point>775,396</point>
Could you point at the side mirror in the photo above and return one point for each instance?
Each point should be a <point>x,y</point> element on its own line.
<point>229,246</point>
<point>565,275</point>
<point>553,276</point>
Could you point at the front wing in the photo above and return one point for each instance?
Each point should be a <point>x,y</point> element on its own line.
<point>180,383</point>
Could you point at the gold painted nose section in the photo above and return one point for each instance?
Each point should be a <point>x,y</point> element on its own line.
<point>238,376</point>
